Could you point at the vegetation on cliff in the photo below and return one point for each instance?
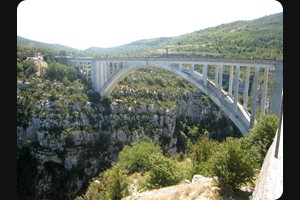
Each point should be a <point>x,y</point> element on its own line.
<point>58,112</point>
<point>231,163</point>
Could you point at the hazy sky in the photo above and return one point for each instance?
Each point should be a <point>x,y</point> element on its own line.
<point>106,23</point>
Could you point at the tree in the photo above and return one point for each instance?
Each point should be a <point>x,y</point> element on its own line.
<point>117,183</point>
<point>136,158</point>
<point>111,184</point>
<point>163,172</point>
<point>29,67</point>
<point>231,164</point>
<point>62,53</point>
<point>261,135</point>
<point>202,151</point>
<point>60,72</point>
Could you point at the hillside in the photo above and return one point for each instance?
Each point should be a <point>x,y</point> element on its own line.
<point>261,38</point>
<point>32,43</point>
<point>134,46</point>
<point>258,38</point>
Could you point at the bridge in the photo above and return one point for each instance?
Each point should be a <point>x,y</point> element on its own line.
<point>244,77</point>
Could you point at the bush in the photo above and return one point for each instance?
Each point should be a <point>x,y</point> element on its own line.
<point>202,151</point>
<point>185,169</point>
<point>231,164</point>
<point>164,172</point>
<point>261,135</point>
<point>136,158</point>
<point>110,184</point>
<point>117,182</point>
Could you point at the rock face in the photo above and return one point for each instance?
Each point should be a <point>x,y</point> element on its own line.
<point>74,147</point>
<point>199,178</point>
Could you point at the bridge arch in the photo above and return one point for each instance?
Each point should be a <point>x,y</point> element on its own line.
<point>105,74</point>
<point>240,119</point>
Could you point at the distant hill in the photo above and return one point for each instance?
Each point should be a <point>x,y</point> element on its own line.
<point>133,46</point>
<point>261,38</point>
<point>31,43</point>
<point>258,38</point>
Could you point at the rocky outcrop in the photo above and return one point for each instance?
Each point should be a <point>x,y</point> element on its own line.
<point>82,142</point>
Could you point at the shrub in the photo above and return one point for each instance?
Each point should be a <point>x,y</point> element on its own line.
<point>202,151</point>
<point>164,172</point>
<point>185,169</point>
<point>136,158</point>
<point>231,164</point>
<point>117,182</point>
<point>261,135</point>
<point>110,184</point>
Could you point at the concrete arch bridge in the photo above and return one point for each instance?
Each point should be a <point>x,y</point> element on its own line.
<point>223,80</point>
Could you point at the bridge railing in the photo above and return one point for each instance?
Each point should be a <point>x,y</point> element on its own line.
<point>223,60</point>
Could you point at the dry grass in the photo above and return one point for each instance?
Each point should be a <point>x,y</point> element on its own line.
<point>205,190</point>
<point>202,190</point>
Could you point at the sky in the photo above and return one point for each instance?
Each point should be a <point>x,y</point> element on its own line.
<point>108,23</point>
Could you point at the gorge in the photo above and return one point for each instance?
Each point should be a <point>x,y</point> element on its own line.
<point>71,141</point>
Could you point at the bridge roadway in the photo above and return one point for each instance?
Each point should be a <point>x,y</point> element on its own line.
<point>207,75</point>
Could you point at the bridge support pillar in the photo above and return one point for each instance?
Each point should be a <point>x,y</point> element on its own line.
<point>96,81</point>
<point>216,74</point>
<point>230,80</point>
<point>236,87</point>
<point>105,71</point>
<point>101,74</point>
<point>264,92</point>
<point>118,66</point>
<point>220,80</point>
<point>277,89</point>
<point>254,96</point>
<point>205,74</point>
<point>192,69</point>
<point>245,104</point>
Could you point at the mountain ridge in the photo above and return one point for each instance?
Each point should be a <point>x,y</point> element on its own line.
<point>27,42</point>
<point>243,38</point>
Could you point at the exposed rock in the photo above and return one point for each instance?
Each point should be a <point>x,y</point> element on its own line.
<point>199,178</point>
<point>68,141</point>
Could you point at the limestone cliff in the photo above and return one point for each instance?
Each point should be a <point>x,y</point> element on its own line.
<point>64,139</point>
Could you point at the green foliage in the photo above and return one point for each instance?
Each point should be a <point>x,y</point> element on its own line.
<point>117,183</point>
<point>202,151</point>
<point>60,72</point>
<point>94,97</point>
<point>187,133</point>
<point>26,67</point>
<point>136,158</point>
<point>261,135</point>
<point>111,184</point>
<point>185,169</point>
<point>106,102</point>
<point>231,164</point>
<point>164,172</point>
<point>95,191</point>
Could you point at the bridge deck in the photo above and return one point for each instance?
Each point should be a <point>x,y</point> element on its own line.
<point>106,73</point>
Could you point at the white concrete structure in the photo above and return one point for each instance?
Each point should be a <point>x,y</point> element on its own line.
<point>105,74</point>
